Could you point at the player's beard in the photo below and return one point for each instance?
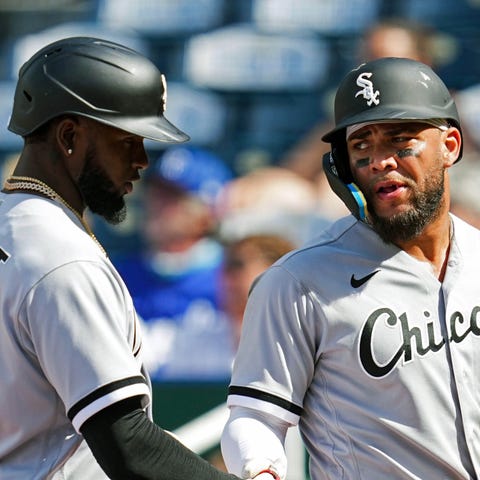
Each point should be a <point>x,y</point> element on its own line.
<point>425,207</point>
<point>99,192</point>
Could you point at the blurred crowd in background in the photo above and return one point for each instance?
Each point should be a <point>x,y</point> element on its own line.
<point>252,83</point>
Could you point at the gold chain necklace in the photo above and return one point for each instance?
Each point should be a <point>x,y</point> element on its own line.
<point>35,185</point>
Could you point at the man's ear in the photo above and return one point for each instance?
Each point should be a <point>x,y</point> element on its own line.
<point>66,135</point>
<point>452,145</point>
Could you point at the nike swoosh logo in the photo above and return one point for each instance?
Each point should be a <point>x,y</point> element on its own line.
<point>358,282</point>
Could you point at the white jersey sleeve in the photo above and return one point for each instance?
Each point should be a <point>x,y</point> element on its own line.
<point>70,322</point>
<point>271,337</point>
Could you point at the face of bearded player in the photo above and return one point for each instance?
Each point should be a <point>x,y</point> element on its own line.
<point>112,163</point>
<point>400,168</point>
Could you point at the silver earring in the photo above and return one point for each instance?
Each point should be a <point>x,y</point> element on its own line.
<point>69,151</point>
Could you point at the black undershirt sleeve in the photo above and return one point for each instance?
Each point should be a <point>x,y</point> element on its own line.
<point>128,445</point>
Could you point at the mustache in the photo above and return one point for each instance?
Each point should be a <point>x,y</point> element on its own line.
<point>389,177</point>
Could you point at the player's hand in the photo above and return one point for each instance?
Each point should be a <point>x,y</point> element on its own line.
<point>264,476</point>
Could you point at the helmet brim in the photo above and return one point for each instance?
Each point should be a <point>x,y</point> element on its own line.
<point>156,128</point>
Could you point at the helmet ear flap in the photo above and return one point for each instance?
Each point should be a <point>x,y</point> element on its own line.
<point>341,182</point>
<point>340,159</point>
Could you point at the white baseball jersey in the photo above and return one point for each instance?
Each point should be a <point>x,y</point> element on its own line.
<point>69,342</point>
<point>375,358</point>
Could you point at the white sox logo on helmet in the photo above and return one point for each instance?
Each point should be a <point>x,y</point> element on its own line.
<point>367,91</point>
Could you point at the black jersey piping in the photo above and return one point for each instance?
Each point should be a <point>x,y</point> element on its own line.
<point>102,391</point>
<point>266,397</point>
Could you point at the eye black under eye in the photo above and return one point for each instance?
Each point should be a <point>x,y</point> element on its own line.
<point>406,152</point>
<point>362,162</point>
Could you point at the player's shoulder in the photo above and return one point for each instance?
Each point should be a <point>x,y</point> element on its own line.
<point>333,232</point>
<point>464,233</point>
<point>344,236</point>
<point>40,234</point>
<point>338,244</point>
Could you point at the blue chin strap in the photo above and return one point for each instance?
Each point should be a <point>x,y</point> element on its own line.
<point>360,202</point>
<point>349,193</point>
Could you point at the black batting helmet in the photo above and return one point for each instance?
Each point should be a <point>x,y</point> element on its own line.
<point>387,89</point>
<point>94,78</point>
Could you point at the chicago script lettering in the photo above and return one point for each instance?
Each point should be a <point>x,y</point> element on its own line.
<point>4,256</point>
<point>411,337</point>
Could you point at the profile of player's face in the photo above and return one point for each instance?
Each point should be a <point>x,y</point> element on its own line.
<point>99,192</point>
